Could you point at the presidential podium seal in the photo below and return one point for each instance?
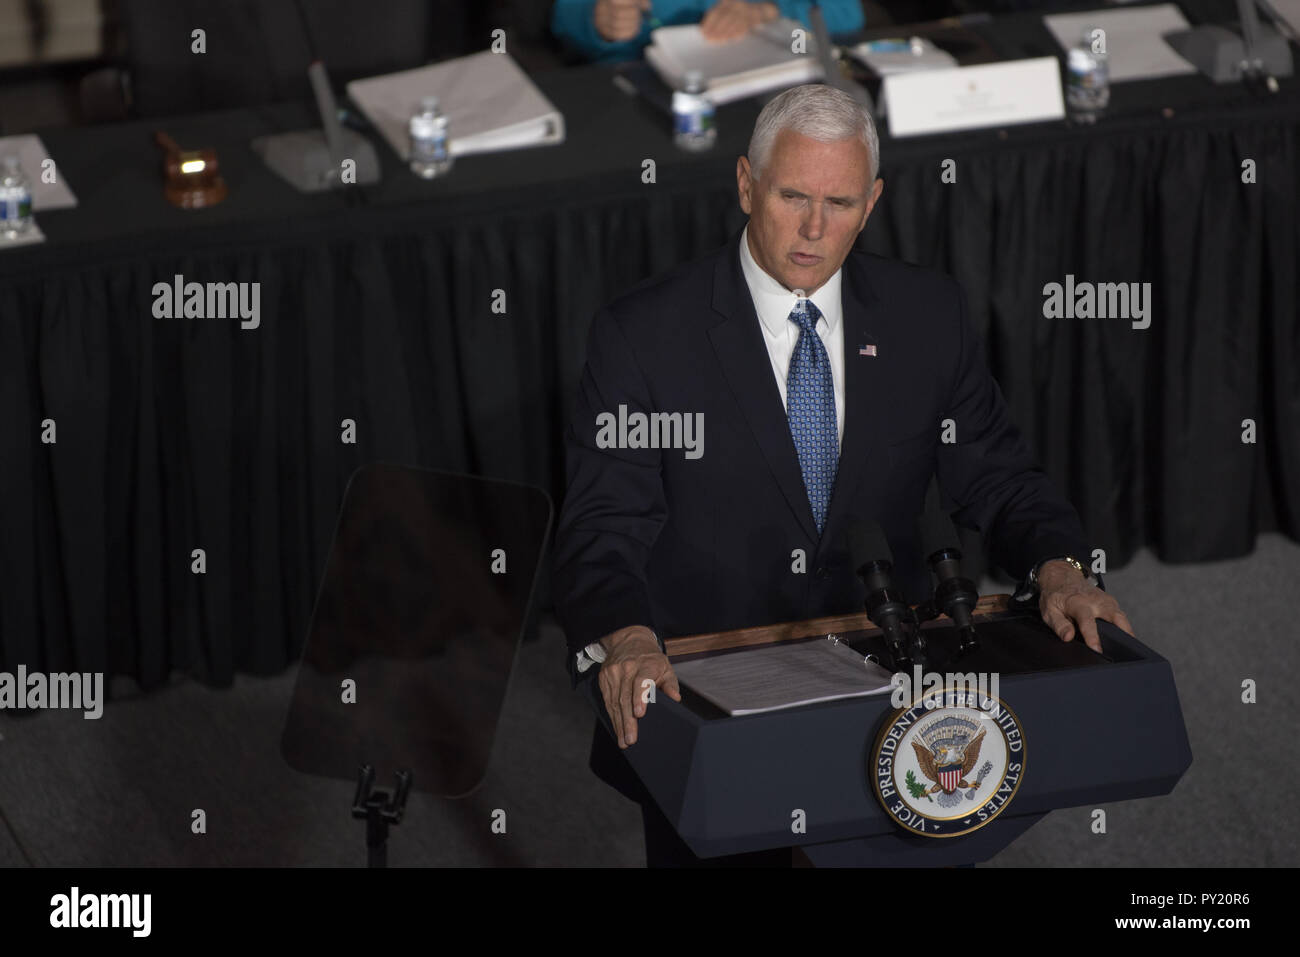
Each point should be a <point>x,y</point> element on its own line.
<point>949,763</point>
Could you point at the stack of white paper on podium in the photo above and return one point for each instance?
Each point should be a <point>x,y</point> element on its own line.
<point>490,104</point>
<point>774,677</point>
<point>762,60</point>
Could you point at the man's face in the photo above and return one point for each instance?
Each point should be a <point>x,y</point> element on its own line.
<point>807,207</point>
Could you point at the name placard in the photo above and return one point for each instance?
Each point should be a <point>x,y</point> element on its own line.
<point>994,94</point>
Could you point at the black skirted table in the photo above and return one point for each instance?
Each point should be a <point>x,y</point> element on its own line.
<point>443,324</point>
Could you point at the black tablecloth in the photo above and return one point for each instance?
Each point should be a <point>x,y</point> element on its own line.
<point>176,435</point>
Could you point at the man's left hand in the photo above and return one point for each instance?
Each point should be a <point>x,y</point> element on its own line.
<point>1071,605</point>
<point>732,19</point>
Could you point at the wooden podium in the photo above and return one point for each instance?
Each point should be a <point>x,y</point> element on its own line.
<point>1097,728</point>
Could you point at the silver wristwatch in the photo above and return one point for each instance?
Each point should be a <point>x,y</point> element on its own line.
<point>595,653</point>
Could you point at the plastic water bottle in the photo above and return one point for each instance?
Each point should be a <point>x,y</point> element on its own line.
<point>1087,79</point>
<point>693,111</point>
<point>430,146</point>
<point>15,200</point>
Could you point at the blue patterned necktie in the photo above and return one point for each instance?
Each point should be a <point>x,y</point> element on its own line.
<point>810,407</point>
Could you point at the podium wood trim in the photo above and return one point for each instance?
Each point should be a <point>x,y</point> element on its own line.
<point>988,606</point>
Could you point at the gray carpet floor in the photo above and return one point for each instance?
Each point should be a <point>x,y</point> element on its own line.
<point>121,791</point>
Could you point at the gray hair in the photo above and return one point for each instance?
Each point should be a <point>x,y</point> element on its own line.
<point>819,112</point>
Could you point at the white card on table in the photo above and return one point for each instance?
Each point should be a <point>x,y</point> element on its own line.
<point>971,97</point>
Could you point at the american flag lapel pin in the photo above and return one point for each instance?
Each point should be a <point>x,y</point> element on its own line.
<point>867,349</point>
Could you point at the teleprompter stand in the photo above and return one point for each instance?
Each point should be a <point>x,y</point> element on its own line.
<point>379,808</point>
<point>422,607</point>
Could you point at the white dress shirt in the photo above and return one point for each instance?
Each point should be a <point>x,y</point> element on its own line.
<point>773,303</point>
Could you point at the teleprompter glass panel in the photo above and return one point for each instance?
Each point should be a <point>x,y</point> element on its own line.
<point>421,609</point>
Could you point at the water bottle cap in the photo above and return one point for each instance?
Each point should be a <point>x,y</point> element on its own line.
<point>694,81</point>
<point>11,163</point>
<point>429,104</point>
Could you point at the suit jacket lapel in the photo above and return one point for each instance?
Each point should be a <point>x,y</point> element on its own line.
<point>742,354</point>
<point>865,391</point>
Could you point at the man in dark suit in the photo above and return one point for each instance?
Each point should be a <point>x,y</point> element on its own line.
<point>742,410</point>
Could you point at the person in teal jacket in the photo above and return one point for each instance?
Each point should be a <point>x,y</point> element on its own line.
<point>612,30</point>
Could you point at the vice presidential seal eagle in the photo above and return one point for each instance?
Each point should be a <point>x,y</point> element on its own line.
<point>950,752</point>
<point>944,767</point>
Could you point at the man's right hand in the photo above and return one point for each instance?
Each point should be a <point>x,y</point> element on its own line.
<point>633,664</point>
<point>618,20</point>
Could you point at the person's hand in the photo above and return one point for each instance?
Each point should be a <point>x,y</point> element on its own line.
<point>618,20</point>
<point>1071,605</point>
<point>732,19</point>
<point>633,662</point>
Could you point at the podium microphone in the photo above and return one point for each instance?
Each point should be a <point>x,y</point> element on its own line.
<point>874,563</point>
<point>954,595</point>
